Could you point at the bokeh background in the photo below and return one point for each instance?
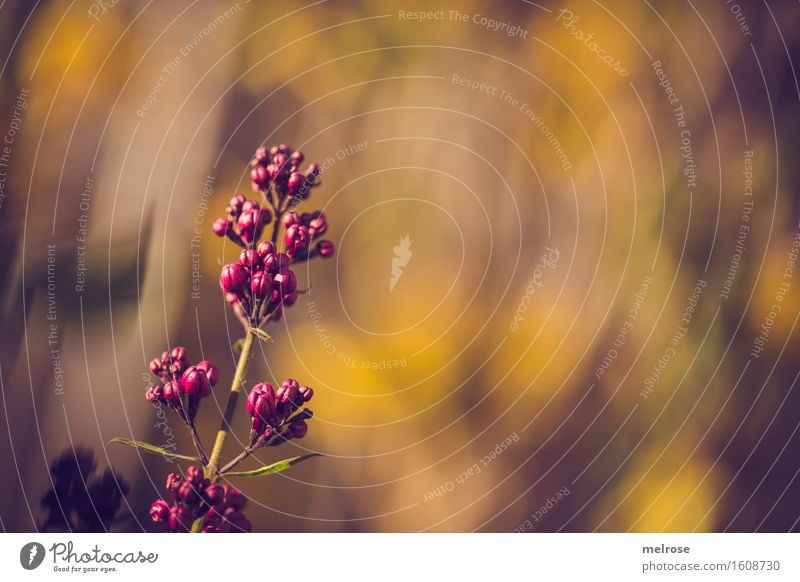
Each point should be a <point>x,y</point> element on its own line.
<point>560,215</point>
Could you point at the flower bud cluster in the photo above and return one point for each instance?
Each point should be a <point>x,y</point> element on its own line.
<point>273,412</point>
<point>260,284</point>
<point>183,385</point>
<point>279,168</point>
<point>301,231</point>
<point>244,222</point>
<point>194,496</point>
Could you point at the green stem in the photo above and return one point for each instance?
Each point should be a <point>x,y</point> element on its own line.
<point>230,407</point>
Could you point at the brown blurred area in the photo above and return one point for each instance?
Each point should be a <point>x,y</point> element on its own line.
<point>481,345</point>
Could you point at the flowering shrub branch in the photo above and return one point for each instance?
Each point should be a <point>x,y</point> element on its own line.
<point>257,288</point>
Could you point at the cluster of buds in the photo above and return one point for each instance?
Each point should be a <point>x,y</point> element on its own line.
<point>301,231</point>
<point>183,385</point>
<point>279,167</point>
<point>244,222</point>
<point>273,412</point>
<point>260,284</point>
<point>194,497</point>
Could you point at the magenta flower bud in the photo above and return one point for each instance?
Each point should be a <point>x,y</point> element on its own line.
<point>276,262</point>
<point>296,159</point>
<point>260,177</point>
<point>195,475</point>
<point>317,226</point>
<point>289,219</point>
<point>261,401</point>
<point>237,522</point>
<point>265,217</point>
<point>261,285</point>
<point>296,239</point>
<point>180,354</point>
<point>174,481</point>
<point>295,183</point>
<point>296,430</point>
<point>261,154</point>
<point>212,372</point>
<point>286,281</point>
<point>159,511</point>
<point>249,258</point>
<point>235,499</point>
<point>156,366</point>
<point>279,161</point>
<point>249,224</point>
<point>215,494</point>
<point>195,382</point>
<point>290,299</point>
<point>173,391</point>
<point>235,205</point>
<point>234,279</point>
<point>250,205</point>
<point>325,249</point>
<point>154,394</point>
<point>220,226</point>
<point>265,249</point>
<point>289,392</point>
<point>306,393</point>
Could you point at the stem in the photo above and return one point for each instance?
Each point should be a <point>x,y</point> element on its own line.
<point>242,456</point>
<point>230,407</point>
<point>198,445</point>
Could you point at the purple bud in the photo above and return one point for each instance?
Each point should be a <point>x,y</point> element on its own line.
<point>250,259</point>
<point>212,372</point>
<point>286,281</point>
<point>295,183</point>
<point>156,366</point>
<point>220,226</point>
<point>174,481</point>
<point>235,498</point>
<point>179,354</point>
<point>250,225</point>
<point>265,249</point>
<point>235,204</point>
<point>289,299</point>
<point>159,511</point>
<point>289,392</point>
<point>261,285</point>
<point>215,494</point>
<point>318,226</point>
<point>173,391</point>
<point>296,239</point>
<point>234,279</point>
<point>195,382</point>
<point>154,394</point>
<point>306,393</point>
<point>325,249</point>
<point>289,219</point>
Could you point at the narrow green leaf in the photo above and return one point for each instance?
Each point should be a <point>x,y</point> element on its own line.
<point>260,334</point>
<point>152,449</point>
<point>278,467</point>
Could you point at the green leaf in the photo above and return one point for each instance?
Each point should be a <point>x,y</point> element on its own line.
<point>260,334</point>
<point>152,449</point>
<point>278,467</point>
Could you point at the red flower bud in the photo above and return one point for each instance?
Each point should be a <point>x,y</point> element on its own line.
<point>250,259</point>
<point>179,354</point>
<point>250,225</point>
<point>195,382</point>
<point>289,219</point>
<point>235,205</point>
<point>296,239</point>
<point>295,183</point>
<point>325,249</point>
<point>235,498</point>
<point>306,393</point>
<point>289,392</point>
<point>159,511</point>
<point>265,249</point>
<point>156,366</point>
<point>318,226</point>
<point>212,372</point>
<point>173,391</point>
<point>286,281</point>
<point>290,299</point>
<point>234,279</point>
<point>220,226</point>
<point>261,285</point>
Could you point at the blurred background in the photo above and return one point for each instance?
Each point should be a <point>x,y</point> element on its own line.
<point>593,328</point>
